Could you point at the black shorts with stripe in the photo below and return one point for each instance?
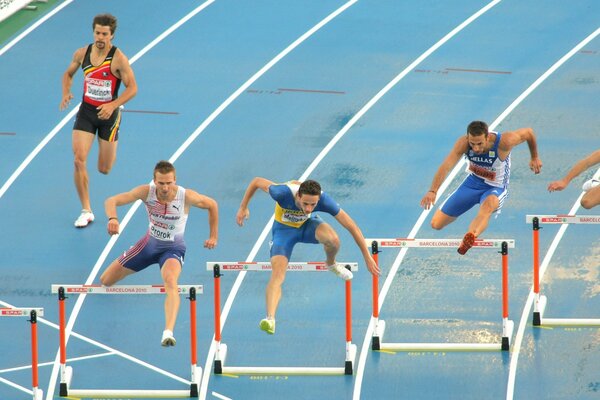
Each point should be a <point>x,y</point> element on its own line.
<point>87,120</point>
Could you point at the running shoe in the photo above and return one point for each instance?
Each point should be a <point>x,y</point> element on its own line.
<point>267,325</point>
<point>168,339</point>
<point>466,244</point>
<point>340,271</point>
<point>84,219</point>
<point>592,183</point>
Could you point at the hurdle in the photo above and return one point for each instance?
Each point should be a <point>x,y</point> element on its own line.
<point>32,313</point>
<point>66,372</point>
<point>540,301</point>
<point>379,329</point>
<point>219,367</point>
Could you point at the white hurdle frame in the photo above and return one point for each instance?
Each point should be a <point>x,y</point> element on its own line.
<point>540,302</point>
<point>221,348</point>
<point>66,372</point>
<point>507,325</point>
<point>32,313</point>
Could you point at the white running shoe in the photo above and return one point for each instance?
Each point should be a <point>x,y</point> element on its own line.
<point>340,271</point>
<point>591,183</point>
<point>168,339</point>
<point>84,219</point>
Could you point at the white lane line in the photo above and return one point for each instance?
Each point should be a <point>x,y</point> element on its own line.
<point>39,22</point>
<point>239,279</point>
<point>126,219</point>
<point>72,113</point>
<point>365,349</point>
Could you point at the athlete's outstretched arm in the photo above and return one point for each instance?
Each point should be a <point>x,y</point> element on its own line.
<point>111,204</point>
<point>577,169</point>
<point>347,222</point>
<point>256,183</point>
<point>196,199</point>
<point>514,138</point>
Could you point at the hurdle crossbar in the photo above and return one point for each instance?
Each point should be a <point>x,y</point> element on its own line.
<point>32,313</point>
<point>507,325</point>
<point>540,301</point>
<point>66,372</point>
<point>221,348</point>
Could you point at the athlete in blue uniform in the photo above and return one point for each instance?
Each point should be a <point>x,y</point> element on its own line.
<point>486,184</point>
<point>168,206</point>
<point>591,187</point>
<point>294,223</point>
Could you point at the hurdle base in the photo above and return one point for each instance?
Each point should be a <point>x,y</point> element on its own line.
<point>220,356</point>
<point>38,394</point>
<point>350,357</point>
<point>458,347</point>
<point>66,381</point>
<point>128,393</point>
<point>377,337</point>
<point>538,315</point>
<point>507,332</point>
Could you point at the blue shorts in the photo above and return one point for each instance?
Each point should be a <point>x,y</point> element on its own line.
<point>285,237</point>
<point>149,250</point>
<point>472,190</point>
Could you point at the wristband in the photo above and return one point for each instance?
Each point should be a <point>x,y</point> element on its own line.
<point>109,218</point>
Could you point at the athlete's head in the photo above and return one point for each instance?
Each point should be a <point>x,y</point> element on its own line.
<point>164,167</point>
<point>308,195</point>
<point>105,20</point>
<point>477,134</point>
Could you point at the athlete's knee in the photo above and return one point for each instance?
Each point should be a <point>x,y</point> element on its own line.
<point>104,169</point>
<point>80,163</point>
<point>106,281</point>
<point>436,224</point>
<point>587,203</point>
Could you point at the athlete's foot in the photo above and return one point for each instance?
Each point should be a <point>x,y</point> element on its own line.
<point>84,219</point>
<point>341,271</point>
<point>168,339</point>
<point>467,243</point>
<point>267,325</point>
<point>591,183</point>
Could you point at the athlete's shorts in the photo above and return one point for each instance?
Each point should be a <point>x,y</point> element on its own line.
<point>87,120</point>
<point>472,190</point>
<point>285,237</point>
<point>149,250</point>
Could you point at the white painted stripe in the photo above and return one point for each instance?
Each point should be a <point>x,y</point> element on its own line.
<point>365,349</point>
<point>39,22</point>
<point>128,216</point>
<point>69,360</point>
<point>528,304</point>
<point>220,396</point>
<point>19,387</point>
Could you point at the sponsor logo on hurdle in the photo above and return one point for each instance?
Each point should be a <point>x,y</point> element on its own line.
<point>8,311</point>
<point>553,219</point>
<point>79,290</point>
<point>127,290</point>
<point>234,267</point>
<point>590,219</point>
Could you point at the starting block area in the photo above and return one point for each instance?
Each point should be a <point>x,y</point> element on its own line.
<point>66,372</point>
<point>32,313</point>
<point>501,245</point>
<point>540,302</point>
<point>221,348</point>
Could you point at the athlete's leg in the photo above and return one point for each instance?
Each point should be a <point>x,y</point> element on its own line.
<point>279,264</point>
<point>481,220</point>
<point>327,236</point>
<point>170,272</point>
<point>591,198</point>
<point>114,273</point>
<point>82,143</point>
<point>107,154</point>
<point>441,219</point>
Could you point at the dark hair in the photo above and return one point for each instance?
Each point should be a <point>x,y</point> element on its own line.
<point>105,20</point>
<point>477,128</point>
<point>309,187</point>
<point>164,167</point>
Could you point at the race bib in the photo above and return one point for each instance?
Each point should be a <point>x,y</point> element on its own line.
<point>98,89</point>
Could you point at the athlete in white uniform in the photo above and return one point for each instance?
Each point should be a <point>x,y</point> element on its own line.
<point>294,223</point>
<point>488,166</point>
<point>168,206</point>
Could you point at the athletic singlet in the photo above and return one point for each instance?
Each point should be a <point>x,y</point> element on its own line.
<point>100,86</point>
<point>286,211</point>
<point>489,167</point>
<point>167,221</point>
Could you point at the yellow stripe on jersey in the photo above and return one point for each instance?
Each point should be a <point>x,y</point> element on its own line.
<point>93,68</point>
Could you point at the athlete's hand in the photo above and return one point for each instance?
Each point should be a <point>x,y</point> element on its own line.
<point>65,101</point>
<point>557,185</point>
<point>372,265</point>
<point>113,227</point>
<point>242,215</point>
<point>428,200</point>
<point>105,110</point>
<point>535,164</point>
<point>210,243</point>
